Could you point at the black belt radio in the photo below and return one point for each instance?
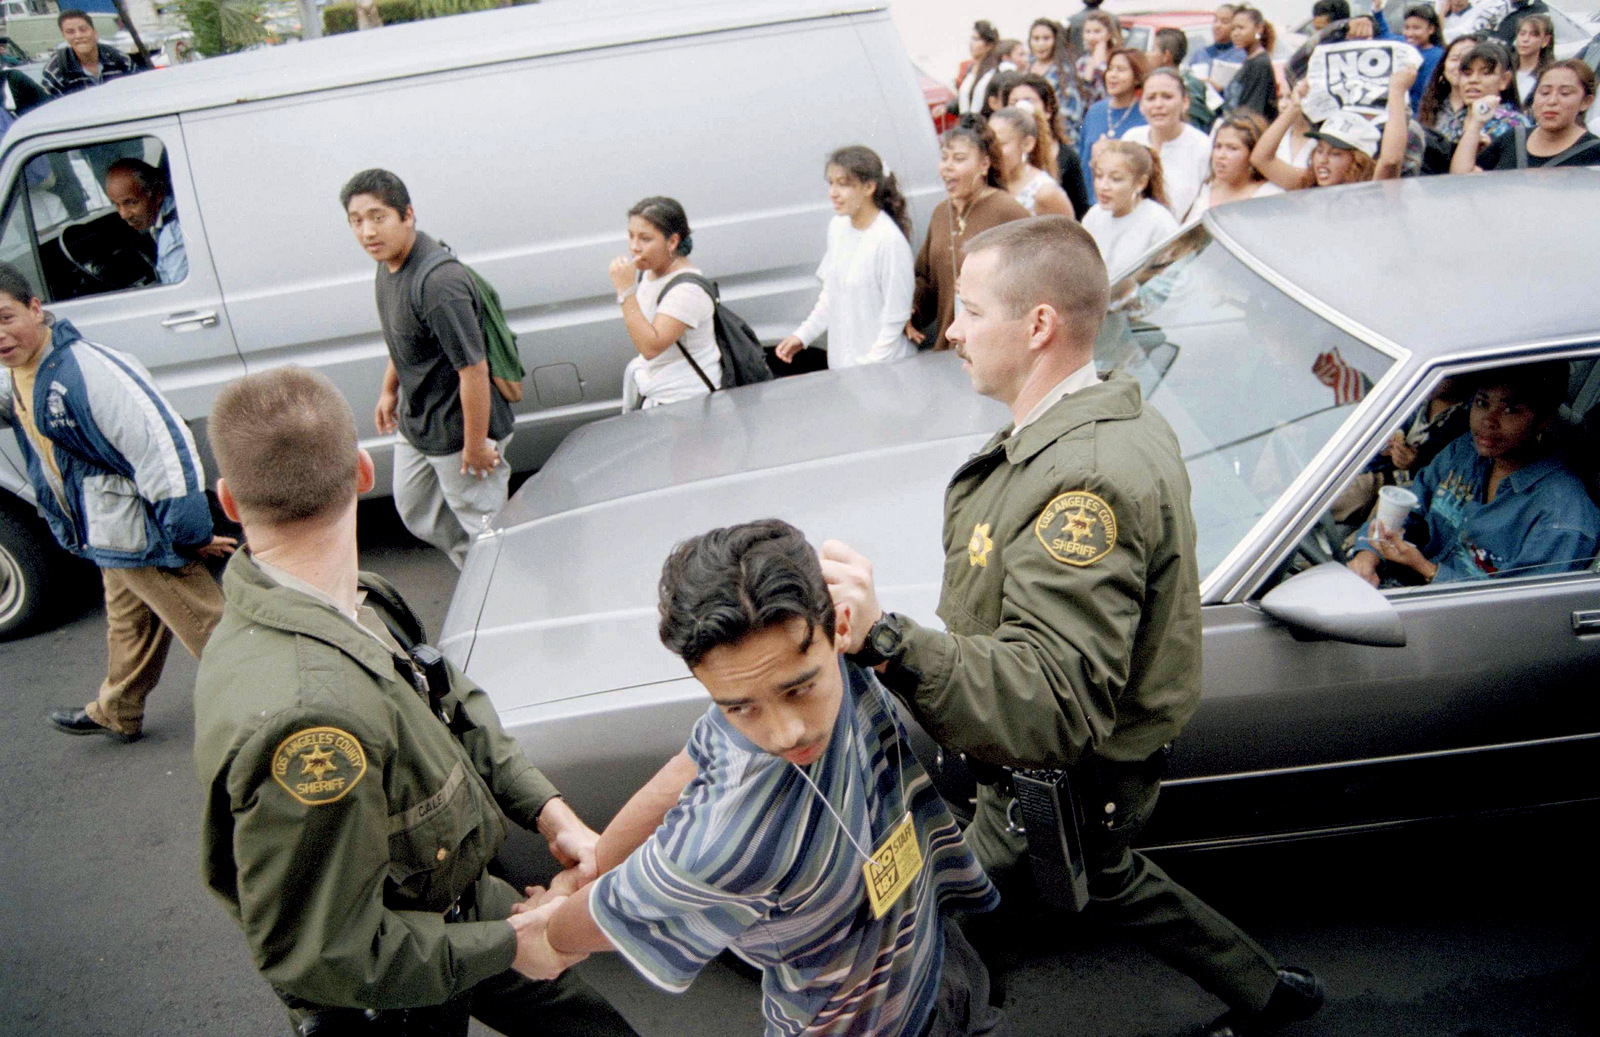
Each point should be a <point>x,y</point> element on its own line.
<point>1046,811</point>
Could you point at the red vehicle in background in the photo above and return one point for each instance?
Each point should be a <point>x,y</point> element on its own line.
<point>940,100</point>
<point>1139,28</point>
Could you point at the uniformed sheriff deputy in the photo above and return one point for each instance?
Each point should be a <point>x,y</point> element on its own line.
<point>1071,605</point>
<point>355,788</point>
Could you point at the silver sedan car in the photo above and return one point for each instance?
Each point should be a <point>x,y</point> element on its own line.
<point>1285,340</point>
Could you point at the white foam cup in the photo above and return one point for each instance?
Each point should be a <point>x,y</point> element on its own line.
<point>1394,504</point>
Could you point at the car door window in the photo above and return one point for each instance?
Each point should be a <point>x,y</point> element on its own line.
<point>1495,475</point>
<point>103,218</point>
<point>1253,383</point>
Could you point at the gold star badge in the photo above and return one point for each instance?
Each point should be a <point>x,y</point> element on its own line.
<point>979,546</point>
<point>1079,524</point>
<point>317,762</point>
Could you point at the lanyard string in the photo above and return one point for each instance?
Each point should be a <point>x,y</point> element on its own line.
<point>899,771</point>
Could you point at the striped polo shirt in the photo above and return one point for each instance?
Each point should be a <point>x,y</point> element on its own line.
<point>750,859</point>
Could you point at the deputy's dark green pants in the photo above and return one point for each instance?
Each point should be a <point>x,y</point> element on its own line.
<point>1127,892</point>
<point>510,1002</point>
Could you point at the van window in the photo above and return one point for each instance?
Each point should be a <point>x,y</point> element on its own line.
<point>16,242</point>
<point>104,219</point>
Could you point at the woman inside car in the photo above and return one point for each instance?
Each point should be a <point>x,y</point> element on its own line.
<point>1499,500</point>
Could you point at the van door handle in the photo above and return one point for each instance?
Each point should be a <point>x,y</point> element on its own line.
<point>1586,622</point>
<point>204,318</point>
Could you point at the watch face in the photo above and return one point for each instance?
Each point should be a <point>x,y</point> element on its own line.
<point>885,636</point>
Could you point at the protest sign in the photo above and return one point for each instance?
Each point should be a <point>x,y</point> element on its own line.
<point>1354,74</point>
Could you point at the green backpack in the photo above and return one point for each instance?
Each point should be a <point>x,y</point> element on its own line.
<point>499,341</point>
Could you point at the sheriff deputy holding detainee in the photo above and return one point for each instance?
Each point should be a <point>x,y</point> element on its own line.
<point>356,785</point>
<point>1072,608</point>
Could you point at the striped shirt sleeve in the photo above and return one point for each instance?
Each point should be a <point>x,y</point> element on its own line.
<point>665,921</point>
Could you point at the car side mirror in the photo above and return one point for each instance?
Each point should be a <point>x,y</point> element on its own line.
<point>1331,601</point>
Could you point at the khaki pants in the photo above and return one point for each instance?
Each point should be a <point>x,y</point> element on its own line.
<point>144,608</point>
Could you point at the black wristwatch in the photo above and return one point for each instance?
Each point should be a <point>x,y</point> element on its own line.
<point>885,641</point>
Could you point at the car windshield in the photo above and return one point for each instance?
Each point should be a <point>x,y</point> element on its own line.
<point>1253,383</point>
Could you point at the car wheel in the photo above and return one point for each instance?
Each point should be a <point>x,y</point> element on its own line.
<point>26,554</point>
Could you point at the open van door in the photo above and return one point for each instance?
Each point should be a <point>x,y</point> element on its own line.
<point>141,279</point>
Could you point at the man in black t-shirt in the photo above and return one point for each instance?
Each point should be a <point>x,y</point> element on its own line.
<point>449,475</point>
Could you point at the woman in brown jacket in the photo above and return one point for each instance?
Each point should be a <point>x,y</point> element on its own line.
<point>969,164</point>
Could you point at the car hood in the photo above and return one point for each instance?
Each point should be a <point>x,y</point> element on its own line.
<point>861,454</point>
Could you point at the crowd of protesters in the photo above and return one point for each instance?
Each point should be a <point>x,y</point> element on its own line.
<point>1144,141</point>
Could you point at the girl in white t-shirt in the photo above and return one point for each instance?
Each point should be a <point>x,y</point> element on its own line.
<point>867,274</point>
<point>666,331</point>
<point>1130,215</point>
<point>1184,151</point>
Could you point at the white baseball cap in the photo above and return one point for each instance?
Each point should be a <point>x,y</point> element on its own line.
<point>1349,130</point>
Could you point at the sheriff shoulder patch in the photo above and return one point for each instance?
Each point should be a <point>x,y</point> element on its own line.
<point>318,765</point>
<point>1077,528</point>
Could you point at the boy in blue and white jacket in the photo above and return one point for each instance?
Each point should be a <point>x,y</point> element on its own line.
<point>116,476</point>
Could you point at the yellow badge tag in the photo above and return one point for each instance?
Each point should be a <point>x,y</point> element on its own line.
<point>980,545</point>
<point>894,866</point>
<point>318,765</point>
<point>1077,528</point>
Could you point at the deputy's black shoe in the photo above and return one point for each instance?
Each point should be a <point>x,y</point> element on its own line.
<point>77,721</point>
<point>1297,996</point>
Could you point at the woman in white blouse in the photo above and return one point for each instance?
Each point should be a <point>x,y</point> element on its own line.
<point>669,324</point>
<point>1185,152</point>
<point>867,274</point>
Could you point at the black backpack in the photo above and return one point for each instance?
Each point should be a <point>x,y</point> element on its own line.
<point>744,362</point>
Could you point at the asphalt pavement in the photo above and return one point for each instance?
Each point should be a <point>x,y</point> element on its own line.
<point>1487,929</point>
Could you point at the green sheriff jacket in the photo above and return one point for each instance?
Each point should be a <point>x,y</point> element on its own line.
<point>342,817</point>
<point>1070,592</point>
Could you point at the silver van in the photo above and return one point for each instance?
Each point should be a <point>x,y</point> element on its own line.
<point>524,134</point>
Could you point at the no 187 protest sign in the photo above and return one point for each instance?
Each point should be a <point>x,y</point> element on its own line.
<point>1354,74</point>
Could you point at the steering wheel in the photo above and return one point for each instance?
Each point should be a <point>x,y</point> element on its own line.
<point>114,257</point>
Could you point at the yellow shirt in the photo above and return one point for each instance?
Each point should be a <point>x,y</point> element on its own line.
<point>22,402</point>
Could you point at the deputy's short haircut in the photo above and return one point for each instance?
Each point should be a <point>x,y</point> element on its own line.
<point>720,587</point>
<point>285,441</point>
<point>1049,260</point>
<point>73,13</point>
<point>382,185</point>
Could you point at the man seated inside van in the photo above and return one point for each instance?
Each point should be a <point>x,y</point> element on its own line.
<point>1499,499</point>
<point>758,836</point>
<point>144,201</point>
